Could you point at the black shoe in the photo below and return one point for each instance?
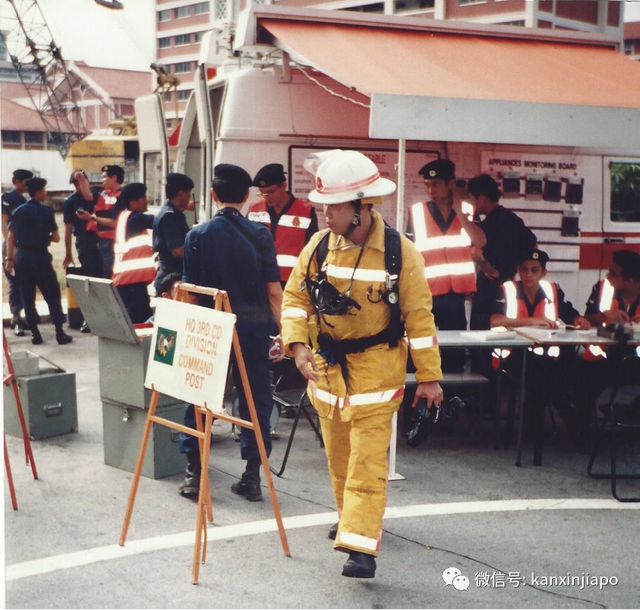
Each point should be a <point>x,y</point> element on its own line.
<point>249,484</point>
<point>36,337</point>
<point>333,531</point>
<point>18,326</point>
<point>62,338</point>
<point>251,491</point>
<point>359,565</point>
<point>190,486</point>
<point>85,328</point>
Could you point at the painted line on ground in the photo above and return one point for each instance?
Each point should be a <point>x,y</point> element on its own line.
<point>136,547</point>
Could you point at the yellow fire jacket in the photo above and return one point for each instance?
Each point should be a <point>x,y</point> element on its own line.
<point>376,377</point>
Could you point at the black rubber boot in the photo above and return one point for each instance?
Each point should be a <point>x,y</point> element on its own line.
<point>61,337</point>
<point>333,531</point>
<point>359,565</point>
<point>191,484</point>
<point>249,485</point>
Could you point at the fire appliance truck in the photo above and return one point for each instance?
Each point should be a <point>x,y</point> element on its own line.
<point>554,117</point>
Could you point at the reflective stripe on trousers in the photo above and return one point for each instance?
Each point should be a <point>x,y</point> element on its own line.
<point>357,458</point>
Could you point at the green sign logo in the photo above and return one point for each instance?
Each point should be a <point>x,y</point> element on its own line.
<point>165,346</point>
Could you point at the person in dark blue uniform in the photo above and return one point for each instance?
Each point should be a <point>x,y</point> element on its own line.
<point>31,229</point>
<point>10,201</point>
<point>232,253</point>
<point>86,237</point>
<point>170,226</point>
<point>508,241</point>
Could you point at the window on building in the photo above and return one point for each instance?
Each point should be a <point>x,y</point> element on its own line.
<point>197,36</point>
<point>33,138</point>
<point>181,12</point>
<point>182,39</point>
<point>404,6</point>
<point>221,9</point>
<point>3,47</point>
<point>463,2</point>
<point>181,67</point>
<point>201,8</point>
<point>183,94</point>
<point>168,96</point>
<point>624,191</point>
<point>164,15</point>
<point>164,42</point>
<point>377,7</point>
<point>11,138</point>
<point>628,47</point>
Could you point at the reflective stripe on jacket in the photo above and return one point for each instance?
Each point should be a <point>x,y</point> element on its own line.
<point>546,308</point>
<point>290,233</point>
<point>606,302</point>
<point>134,256</point>
<point>376,376</point>
<point>447,256</point>
<point>517,308</point>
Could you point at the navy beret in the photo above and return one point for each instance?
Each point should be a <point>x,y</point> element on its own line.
<point>269,175</point>
<point>232,173</point>
<point>440,168</point>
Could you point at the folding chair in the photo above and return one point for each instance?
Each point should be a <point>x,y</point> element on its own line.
<point>294,399</point>
<point>621,405</point>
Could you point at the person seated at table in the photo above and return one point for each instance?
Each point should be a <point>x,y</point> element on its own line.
<point>534,301</point>
<point>616,298</point>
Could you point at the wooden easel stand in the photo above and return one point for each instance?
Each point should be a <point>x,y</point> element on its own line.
<point>203,434</point>
<point>28,454</point>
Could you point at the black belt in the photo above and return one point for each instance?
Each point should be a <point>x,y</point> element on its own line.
<point>335,351</point>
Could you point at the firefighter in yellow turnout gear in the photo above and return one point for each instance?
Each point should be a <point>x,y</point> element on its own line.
<point>355,366</point>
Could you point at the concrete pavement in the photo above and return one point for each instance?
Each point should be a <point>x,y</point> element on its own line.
<point>547,537</point>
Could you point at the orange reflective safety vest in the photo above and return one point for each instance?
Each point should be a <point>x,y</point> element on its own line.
<point>104,206</point>
<point>517,308</point>
<point>290,233</point>
<point>448,264</point>
<point>134,256</point>
<point>546,308</point>
<point>606,302</point>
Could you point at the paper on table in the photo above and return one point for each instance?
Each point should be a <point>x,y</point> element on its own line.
<point>489,335</point>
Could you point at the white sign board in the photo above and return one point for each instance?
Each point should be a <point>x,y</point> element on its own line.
<point>537,177</point>
<point>190,350</point>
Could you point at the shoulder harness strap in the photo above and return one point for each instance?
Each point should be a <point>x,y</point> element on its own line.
<point>393,265</point>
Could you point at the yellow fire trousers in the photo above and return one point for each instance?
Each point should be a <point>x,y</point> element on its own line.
<point>358,466</point>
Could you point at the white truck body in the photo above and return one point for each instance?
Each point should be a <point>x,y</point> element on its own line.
<point>251,115</point>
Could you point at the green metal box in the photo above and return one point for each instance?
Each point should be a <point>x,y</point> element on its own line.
<point>123,368</point>
<point>48,403</point>
<point>123,350</point>
<point>123,426</point>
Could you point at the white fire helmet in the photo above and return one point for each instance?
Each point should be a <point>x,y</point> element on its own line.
<point>346,175</point>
